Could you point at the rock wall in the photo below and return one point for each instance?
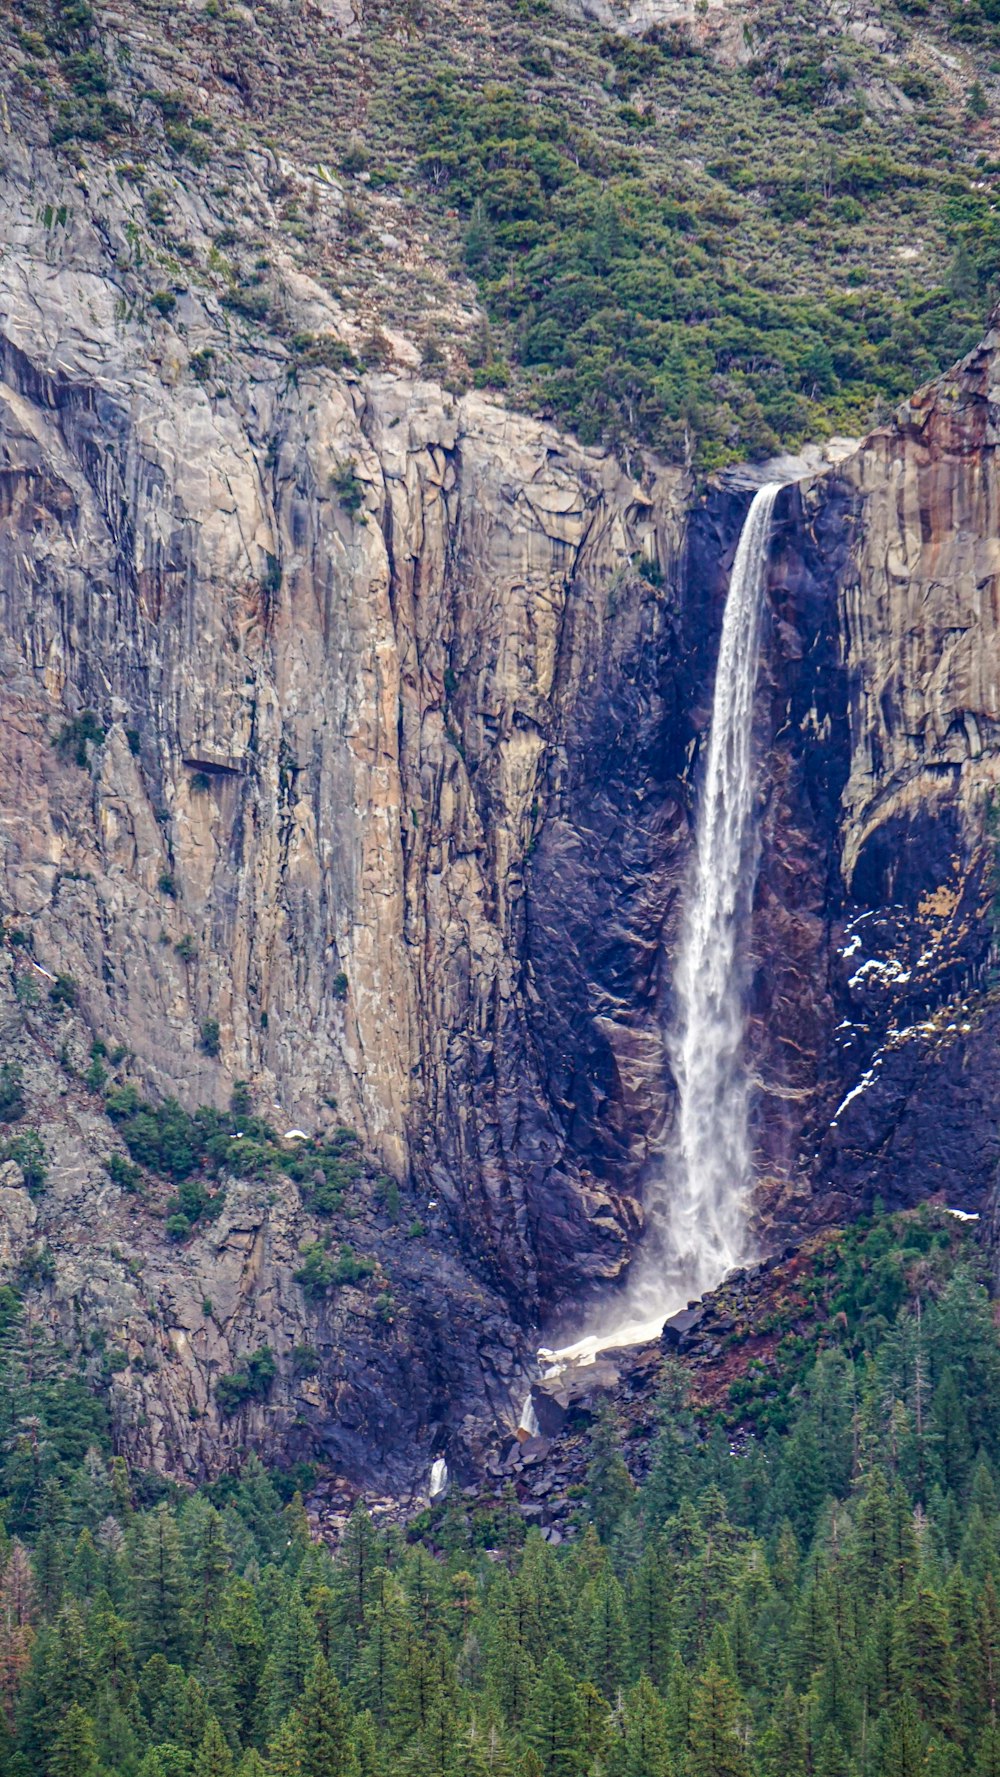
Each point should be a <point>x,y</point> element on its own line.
<point>397,699</point>
<point>896,741</point>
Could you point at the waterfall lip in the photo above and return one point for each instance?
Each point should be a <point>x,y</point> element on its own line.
<point>699,1205</point>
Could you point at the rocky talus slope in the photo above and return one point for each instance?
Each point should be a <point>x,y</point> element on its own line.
<point>362,719</point>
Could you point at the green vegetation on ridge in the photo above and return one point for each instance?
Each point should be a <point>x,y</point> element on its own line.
<point>709,245</point>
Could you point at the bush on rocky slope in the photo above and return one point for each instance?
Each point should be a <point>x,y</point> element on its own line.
<point>680,242</point>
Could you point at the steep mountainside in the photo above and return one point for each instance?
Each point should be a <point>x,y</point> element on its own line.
<point>349,741</point>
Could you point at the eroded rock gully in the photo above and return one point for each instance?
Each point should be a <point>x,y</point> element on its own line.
<point>401,696</point>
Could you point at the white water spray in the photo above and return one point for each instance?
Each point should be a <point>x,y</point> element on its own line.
<point>697,1213</point>
<point>707,1215</point>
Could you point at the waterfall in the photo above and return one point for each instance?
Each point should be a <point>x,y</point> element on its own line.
<point>697,1208</point>
<point>707,1206</point>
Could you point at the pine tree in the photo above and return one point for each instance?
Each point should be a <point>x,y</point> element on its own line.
<point>384,1633</point>
<point>18,1615</point>
<point>74,1749</point>
<point>61,1674</point>
<point>715,1737</point>
<point>208,1565</point>
<point>556,1728</point>
<point>871,1545</point>
<point>679,1710</point>
<point>899,1742</point>
<point>647,1603</point>
<point>831,1756</point>
<point>241,1644</point>
<point>85,1574</point>
<point>784,1743</point>
<point>877,1680</point>
<point>606,1634</point>
<point>214,1758</point>
<point>922,1657</point>
<point>325,1725</point>
<point>190,1723</point>
<point>785,1570</point>
<point>671,1469</point>
<point>364,1745</point>
<point>804,1481</point>
<point>988,1757</point>
<point>988,1631</point>
<point>835,1686</point>
<point>359,1557</point>
<point>642,1749</point>
<point>290,1660</point>
<point>966,1651</point>
<point>510,1668</point>
<point>286,1750</point>
<point>160,1593</point>
<point>112,1643</point>
<point>481,1751</point>
<point>610,1488</point>
<point>952,1437</point>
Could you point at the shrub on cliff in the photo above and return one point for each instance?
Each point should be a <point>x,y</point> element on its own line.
<point>12,1099</point>
<point>320,1271</point>
<point>76,736</point>
<point>27,1150</point>
<point>250,1382</point>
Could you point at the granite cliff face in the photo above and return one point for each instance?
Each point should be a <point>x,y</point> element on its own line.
<point>395,702</point>
<point>886,571</point>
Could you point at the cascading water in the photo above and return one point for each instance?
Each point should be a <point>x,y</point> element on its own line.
<point>707,1207</point>
<point>697,1212</point>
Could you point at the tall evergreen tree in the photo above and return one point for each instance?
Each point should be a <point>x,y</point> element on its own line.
<point>325,1725</point>
<point>716,1746</point>
<point>74,1748</point>
<point>160,1592</point>
<point>556,1728</point>
<point>922,1658</point>
<point>606,1637</point>
<point>214,1758</point>
<point>610,1488</point>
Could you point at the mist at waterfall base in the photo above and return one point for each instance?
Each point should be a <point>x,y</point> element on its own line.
<point>697,1204</point>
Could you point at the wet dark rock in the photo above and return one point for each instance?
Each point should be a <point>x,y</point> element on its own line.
<point>679,1330</point>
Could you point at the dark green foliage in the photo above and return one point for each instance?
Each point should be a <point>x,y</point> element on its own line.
<point>701,1637</point>
<point>63,991</point>
<point>124,1173</point>
<point>251,1382</point>
<point>76,736</point>
<point>37,1267</point>
<point>609,1484</point>
<point>27,1150</point>
<point>305,1360</point>
<point>350,490</point>
<point>12,1100</point>
<point>320,1271</point>
<point>165,1139</point>
<point>210,1036</point>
